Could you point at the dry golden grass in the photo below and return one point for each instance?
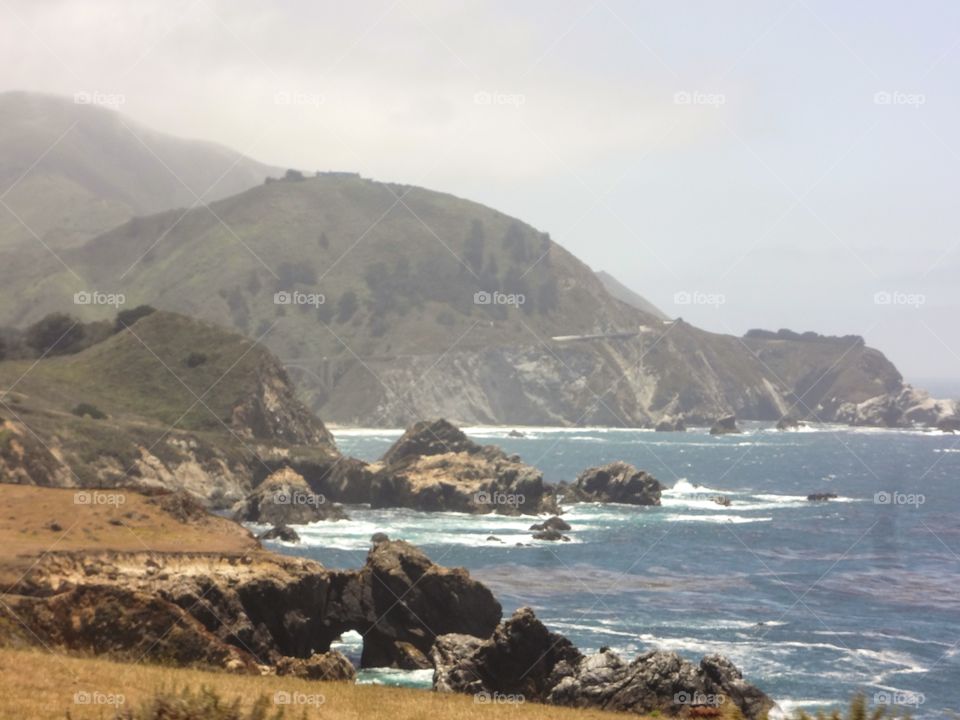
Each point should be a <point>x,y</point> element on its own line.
<point>35,684</point>
<point>30,516</point>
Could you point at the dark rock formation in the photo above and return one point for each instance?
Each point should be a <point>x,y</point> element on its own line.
<point>552,523</point>
<point>379,537</point>
<point>822,496</point>
<point>725,426</point>
<point>551,535</point>
<point>516,434</point>
<point>330,665</point>
<point>435,601</point>
<point>280,532</point>
<point>434,466</point>
<point>721,500</point>
<point>284,498</point>
<point>523,657</point>
<point>618,482</point>
<point>787,423</point>
<point>950,424</point>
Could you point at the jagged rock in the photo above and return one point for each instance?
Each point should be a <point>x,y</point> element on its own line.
<point>280,532</point>
<point>523,657</point>
<point>552,523</point>
<point>670,425</point>
<point>436,467</point>
<point>821,497</point>
<point>518,658</point>
<point>379,537</point>
<point>951,424</point>
<point>328,666</point>
<point>617,482</point>
<point>493,538</point>
<point>435,600</point>
<point>725,426</point>
<point>409,657</point>
<point>516,434</point>
<point>721,500</point>
<point>284,498</point>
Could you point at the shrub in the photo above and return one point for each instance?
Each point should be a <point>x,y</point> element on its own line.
<point>204,704</point>
<point>126,318</point>
<point>89,410</point>
<point>195,359</point>
<point>55,334</point>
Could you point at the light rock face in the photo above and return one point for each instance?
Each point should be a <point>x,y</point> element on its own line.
<point>435,466</point>
<point>285,498</point>
<point>523,658</point>
<point>241,611</point>
<point>330,665</point>
<point>617,482</point>
<point>907,407</point>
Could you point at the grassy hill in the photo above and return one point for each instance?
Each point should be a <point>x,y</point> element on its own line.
<point>77,170</point>
<point>168,401</point>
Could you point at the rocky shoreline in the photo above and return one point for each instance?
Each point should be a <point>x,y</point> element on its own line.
<point>254,612</point>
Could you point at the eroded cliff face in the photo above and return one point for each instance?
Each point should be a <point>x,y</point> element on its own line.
<point>632,382</point>
<point>243,610</point>
<point>663,372</point>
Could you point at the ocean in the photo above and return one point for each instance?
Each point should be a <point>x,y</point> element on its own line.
<point>814,601</point>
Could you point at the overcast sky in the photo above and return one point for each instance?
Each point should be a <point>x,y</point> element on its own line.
<point>784,164</point>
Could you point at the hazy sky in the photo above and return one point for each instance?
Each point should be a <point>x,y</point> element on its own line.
<point>797,161</point>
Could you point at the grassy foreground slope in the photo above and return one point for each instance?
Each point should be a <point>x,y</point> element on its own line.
<point>36,685</point>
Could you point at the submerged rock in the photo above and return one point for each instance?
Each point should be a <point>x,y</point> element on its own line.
<point>820,497</point>
<point>671,425</point>
<point>523,657</point>
<point>617,482</point>
<point>788,423</point>
<point>280,532</point>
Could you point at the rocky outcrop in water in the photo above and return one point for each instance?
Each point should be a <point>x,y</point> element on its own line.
<point>330,665</point>
<point>435,466</point>
<point>524,658</point>
<point>280,532</point>
<point>285,498</point>
<point>617,482</point>
<point>725,426</point>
